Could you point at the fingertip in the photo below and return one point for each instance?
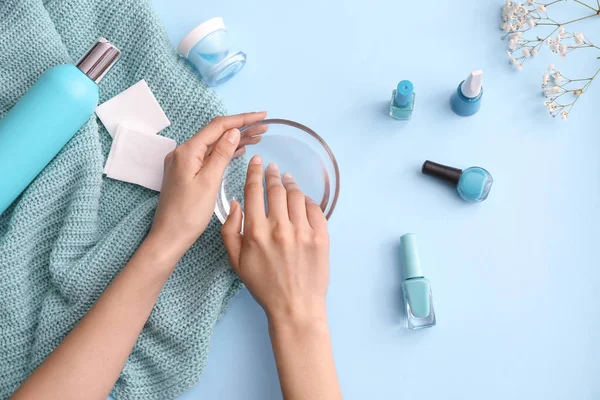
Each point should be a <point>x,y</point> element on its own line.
<point>256,160</point>
<point>234,219</point>
<point>233,136</point>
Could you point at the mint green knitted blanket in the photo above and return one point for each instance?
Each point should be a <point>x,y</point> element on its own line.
<point>72,230</point>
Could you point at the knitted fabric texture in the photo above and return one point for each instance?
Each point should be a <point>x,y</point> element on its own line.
<point>73,230</point>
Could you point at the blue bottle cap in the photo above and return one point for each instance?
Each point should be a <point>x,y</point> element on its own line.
<point>404,93</point>
<point>412,264</point>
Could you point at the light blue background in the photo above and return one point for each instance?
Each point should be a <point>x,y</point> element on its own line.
<point>515,279</point>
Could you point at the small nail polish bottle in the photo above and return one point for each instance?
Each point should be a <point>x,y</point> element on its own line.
<point>403,101</point>
<point>416,289</point>
<point>473,184</point>
<point>467,98</point>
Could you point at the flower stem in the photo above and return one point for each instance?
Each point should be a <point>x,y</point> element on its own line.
<point>554,2</point>
<point>582,18</point>
<point>586,5</point>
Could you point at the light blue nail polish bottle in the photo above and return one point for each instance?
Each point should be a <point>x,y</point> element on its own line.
<point>466,100</point>
<point>403,101</point>
<point>416,289</point>
<point>473,184</point>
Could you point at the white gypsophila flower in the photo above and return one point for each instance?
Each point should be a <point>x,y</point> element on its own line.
<point>578,92</point>
<point>526,52</point>
<point>579,38</point>
<point>564,115</point>
<point>556,89</point>
<point>534,52</point>
<point>519,67</point>
<point>541,8</point>
<point>549,42</point>
<point>531,23</point>
<point>562,32</point>
<point>512,44</point>
<point>557,77</point>
<point>530,2</point>
<point>563,50</point>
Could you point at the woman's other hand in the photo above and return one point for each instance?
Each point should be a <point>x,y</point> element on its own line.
<point>193,174</point>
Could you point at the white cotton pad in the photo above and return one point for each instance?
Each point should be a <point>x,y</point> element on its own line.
<point>136,108</point>
<point>138,158</point>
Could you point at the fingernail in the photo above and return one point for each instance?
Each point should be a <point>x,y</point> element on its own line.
<point>272,167</point>
<point>233,136</point>
<point>256,160</point>
<point>287,177</point>
<point>232,206</point>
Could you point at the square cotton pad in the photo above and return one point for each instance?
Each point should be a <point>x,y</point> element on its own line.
<point>138,158</point>
<point>136,108</point>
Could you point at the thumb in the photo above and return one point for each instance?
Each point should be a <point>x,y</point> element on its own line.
<point>221,155</point>
<point>232,236</point>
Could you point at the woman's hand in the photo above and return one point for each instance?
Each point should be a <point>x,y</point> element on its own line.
<point>193,174</point>
<point>283,258</point>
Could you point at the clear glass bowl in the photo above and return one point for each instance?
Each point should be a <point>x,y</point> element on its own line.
<point>295,149</point>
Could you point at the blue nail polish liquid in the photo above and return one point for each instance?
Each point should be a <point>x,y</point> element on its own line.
<point>473,184</point>
<point>416,289</point>
<point>403,101</point>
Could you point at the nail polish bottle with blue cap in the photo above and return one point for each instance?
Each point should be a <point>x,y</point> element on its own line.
<point>473,184</point>
<point>416,289</point>
<point>403,101</point>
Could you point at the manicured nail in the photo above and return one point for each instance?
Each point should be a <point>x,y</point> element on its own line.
<point>272,167</point>
<point>256,160</point>
<point>287,177</point>
<point>233,136</point>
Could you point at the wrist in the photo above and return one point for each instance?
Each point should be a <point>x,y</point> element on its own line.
<point>298,320</point>
<point>169,242</point>
<point>161,251</point>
